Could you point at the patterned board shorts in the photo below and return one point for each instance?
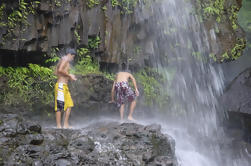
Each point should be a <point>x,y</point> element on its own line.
<point>124,93</point>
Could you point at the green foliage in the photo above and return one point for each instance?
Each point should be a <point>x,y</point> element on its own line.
<point>234,53</point>
<point>2,12</point>
<point>58,3</point>
<point>77,36</point>
<point>212,55</point>
<point>127,6</point>
<point>237,50</point>
<point>104,8</point>
<point>86,65</point>
<point>152,82</point>
<point>213,8</point>
<point>92,3</point>
<point>82,52</point>
<point>53,56</point>
<point>115,3</point>
<point>224,56</point>
<point>137,50</point>
<point>17,16</point>
<point>28,85</point>
<point>93,43</point>
<point>233,17</point>
<point>109,76</point>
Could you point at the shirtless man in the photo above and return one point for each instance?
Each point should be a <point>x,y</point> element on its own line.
<point>63,100</point>
<point>124,93</point>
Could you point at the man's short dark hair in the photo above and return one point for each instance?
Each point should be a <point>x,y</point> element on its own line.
<point>71,51</point>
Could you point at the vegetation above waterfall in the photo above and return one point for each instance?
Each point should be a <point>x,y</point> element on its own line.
<point>223,12</point>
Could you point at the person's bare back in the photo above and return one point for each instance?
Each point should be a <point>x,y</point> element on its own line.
<point>122,76</point>
<point>124,93</point>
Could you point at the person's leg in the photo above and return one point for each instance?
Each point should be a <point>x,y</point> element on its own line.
<point>121,110</point>
<point>132,107</point>
<point>58,119</point>
<point>66,118</point>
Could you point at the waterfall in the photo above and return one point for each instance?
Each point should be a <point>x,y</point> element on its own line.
<point>194,116</point>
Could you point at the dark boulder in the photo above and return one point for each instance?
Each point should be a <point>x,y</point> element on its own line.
<point>236,102</point>
<point>237,96</point>
<point>101,143</point>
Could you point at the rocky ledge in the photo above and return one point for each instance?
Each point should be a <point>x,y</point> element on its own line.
<point>107,143</point>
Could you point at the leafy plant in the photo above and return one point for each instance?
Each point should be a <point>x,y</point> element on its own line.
<point>86,66</point>
<point>233,17</point>
<point>152,82</point>
<point>93,43</point>
<point>211,8</point>
<point>92,3</point>
<point>28,85</point>
<point>16,18</point>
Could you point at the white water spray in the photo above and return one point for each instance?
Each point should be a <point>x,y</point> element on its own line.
<point>194,117</point>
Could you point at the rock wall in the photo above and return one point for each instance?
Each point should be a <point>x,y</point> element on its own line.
<point>63,23</point>
<point>226,36</point>
<point>236,103</point>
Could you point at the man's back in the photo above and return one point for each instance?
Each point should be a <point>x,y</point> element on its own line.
<point>122,76</point>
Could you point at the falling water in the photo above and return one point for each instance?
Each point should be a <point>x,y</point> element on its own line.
<point>194,116</point>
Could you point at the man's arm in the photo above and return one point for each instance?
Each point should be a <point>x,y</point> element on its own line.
<point>64,72</point>
<point>112,92</point>
<point>134,84</point>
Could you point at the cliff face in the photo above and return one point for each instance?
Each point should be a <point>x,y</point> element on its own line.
<point>220,16</point>
<point>72,23</point>
<point>34,27</point>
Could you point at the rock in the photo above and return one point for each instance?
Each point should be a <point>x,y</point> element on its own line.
<point>237,96</point>
<point>103,143</point>
<point>120,34</point>
<point>91,95</point>
<point>35,139</point>
<point>236,101</point>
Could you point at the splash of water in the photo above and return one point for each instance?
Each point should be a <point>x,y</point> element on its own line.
<point>194,115</point>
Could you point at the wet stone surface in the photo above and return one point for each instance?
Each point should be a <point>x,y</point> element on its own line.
<point>107,143</point>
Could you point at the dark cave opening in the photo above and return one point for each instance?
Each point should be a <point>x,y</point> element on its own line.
<point>21,58</point>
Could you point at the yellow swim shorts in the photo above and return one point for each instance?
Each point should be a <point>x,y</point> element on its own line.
<point>63,98</point>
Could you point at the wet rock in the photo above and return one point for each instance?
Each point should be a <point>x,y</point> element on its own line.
<point>236,101</point>
<point>106,143</point>
<point>35,139</point>
<point>120,33</point>
<point>237,95</point>
<point>92,92</point>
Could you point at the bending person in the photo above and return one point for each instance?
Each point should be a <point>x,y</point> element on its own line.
<point>124,93</point>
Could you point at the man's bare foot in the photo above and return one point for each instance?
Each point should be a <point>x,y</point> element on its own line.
<point>131,118</point>
<point>59,127</point>
<point>67,127</point>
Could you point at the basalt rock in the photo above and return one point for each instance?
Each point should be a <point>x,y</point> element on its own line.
<point>72,23</point>
<point>91,95</point>
<point>237,95</point>
<point>101,143</point>
<point>236,101</point>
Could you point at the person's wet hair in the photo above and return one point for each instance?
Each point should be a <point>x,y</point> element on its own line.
<point>71,51</point>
